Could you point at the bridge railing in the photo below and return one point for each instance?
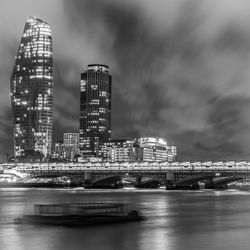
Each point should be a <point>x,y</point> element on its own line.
<point>130,166</point>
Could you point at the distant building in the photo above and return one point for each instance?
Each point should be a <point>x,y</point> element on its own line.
<point>32,89</point>
<point>152,149</point>
<point>118,150</point>
<point>68,149</point>
<point>95,109</point>
<point>145,153</point>
<point>172,152</point>
<point>71,145</point>
<point>58,152</point>
<point>141,149</point>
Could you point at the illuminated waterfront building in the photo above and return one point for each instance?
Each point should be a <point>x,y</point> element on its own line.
<point>118,150</point>
<point>141,149</point>
<point>95,109</point>
<point>32,90</point>
<point>154,149</point>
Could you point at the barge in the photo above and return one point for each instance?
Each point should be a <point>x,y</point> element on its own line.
<point>80,214</point>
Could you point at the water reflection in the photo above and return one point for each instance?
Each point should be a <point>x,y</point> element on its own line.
<point>175,220</point>
<point>156,232</point>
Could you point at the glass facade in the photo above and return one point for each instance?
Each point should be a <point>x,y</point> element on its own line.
<point>95,108</point>
<point>32,90</point>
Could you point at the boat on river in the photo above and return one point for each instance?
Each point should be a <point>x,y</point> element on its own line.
<point>80,214</point>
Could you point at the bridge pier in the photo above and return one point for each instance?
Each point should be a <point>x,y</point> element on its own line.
<point>77,180</point>
<point>170,182</point>
<point>138,180</point>
<point>88,178</point>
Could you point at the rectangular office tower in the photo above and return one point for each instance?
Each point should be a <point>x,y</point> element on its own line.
<point>95,108</point>
<point>32,90</point>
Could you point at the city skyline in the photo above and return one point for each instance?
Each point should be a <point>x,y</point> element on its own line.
<point>171,79</point>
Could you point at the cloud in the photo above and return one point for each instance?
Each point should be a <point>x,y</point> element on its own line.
<point>180,76</point>
<point>180,68</point>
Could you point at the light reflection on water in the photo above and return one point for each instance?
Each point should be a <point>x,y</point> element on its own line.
<point>175,220</point>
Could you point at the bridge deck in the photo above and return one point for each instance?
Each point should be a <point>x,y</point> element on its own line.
<point>242,166</point>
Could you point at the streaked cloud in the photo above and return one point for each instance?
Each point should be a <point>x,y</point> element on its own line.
<point>180,68</point>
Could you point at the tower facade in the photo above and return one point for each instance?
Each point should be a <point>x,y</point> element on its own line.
<point>95,108</point>
<point>32,89</point>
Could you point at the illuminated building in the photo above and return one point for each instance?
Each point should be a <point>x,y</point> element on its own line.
<point>118,150</point>
<point>152,149</point>
<point>32,90</point>
<point>172,152</point>
<point>141,149</point>
<point>95,109</point>
<point>71,145</point>
<point>58,152</point>
<point>67,149</point>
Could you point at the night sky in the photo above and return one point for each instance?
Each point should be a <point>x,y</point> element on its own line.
<point>181,69</point>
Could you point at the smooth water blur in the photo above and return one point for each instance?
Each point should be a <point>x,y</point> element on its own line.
<point>175,220</point>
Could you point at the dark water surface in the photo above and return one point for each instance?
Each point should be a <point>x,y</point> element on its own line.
<point>175,220</point>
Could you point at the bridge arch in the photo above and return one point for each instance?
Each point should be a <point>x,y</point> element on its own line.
<point>222,182</point>
<point>194,179</point>
<point>114,181</point>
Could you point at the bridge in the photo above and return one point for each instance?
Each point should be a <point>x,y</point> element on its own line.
<point>175,175</point>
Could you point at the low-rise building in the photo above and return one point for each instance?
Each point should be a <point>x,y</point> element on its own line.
<point>141,149</point>
<point>152,149</point>
<point>118,150</point>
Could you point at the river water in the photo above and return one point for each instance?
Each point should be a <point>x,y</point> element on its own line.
<point>175,220</point>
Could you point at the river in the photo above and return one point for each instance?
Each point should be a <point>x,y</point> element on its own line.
<point>178,220</point>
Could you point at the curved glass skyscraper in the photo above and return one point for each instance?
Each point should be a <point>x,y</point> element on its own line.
<point>95,108</point>
<point>32,90</point>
